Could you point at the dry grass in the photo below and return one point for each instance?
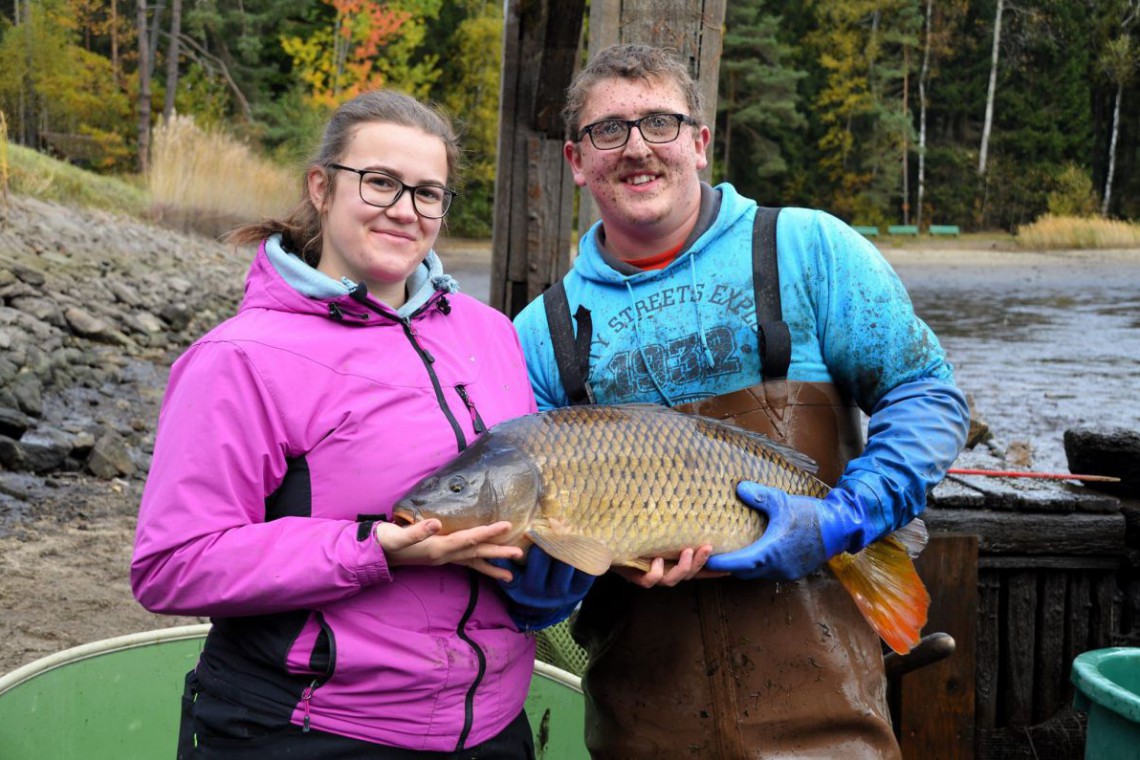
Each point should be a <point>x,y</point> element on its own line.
<point>208,175</point>
<point>40,176</point>
<point>1070,232</point>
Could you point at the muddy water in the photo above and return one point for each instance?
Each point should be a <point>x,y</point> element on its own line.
<point>1044,342</point>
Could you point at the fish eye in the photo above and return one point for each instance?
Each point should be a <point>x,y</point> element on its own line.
<point>456,484</point>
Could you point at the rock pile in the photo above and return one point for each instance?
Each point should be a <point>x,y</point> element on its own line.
<point>93,309</point>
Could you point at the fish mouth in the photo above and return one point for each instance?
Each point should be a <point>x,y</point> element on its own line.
<point>404,516</point>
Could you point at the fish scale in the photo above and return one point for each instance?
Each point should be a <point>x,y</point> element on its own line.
<point>648,484</point>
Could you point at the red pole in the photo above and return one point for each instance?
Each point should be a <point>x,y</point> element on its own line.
<point>1046,475</point>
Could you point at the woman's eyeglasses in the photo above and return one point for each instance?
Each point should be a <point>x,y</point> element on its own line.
<point>382,190</point>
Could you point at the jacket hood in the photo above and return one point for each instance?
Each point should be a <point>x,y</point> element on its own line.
<point>280,280</point>
<point>593,263</point>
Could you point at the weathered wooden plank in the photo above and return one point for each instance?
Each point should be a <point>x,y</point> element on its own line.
<point>988,657</point>
<point>1051,667</point>
<point>1105,611</point>
<point>557,66</point>
<point>531,238</point>
<point>1041,562</point>
<point>548,230</point>
<point>1011,533</point>
<point>1018,648</point>
<point>1079,606</point>
<point>937,703</point>
<point>1036,495</point>
<point>504,162</point>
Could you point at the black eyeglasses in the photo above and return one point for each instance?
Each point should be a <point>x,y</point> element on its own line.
<point>658,128</point>
<point>382,190</point>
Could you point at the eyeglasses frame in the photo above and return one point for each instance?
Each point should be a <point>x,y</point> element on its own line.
<point>681,118</point>
<point>400,193</point>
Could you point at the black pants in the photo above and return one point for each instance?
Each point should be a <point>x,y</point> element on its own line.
<point>213,727</point>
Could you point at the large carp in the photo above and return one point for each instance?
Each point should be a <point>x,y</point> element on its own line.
<point>596,486</point>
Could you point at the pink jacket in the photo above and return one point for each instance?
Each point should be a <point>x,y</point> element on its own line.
<point>285,432</point>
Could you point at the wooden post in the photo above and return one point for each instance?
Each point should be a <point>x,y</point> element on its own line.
<point>936,703</point>
<point>534,190</point>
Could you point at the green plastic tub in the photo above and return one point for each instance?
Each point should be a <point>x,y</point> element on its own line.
<point>1108,689</point>
<point>119,699</point>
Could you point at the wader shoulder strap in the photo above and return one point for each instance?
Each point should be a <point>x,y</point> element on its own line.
<point>572,353</point>
<point>771,330</point>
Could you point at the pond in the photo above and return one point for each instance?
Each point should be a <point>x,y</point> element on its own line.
<point>1044,342</point>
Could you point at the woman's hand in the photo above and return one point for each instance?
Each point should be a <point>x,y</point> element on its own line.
<point>418,544</point>
<point>689,565</point>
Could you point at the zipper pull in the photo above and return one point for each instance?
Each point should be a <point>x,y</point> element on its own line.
<point>410,331</point>
<point>335,312</point>
<point>476,420</point>
<point>307,695</point>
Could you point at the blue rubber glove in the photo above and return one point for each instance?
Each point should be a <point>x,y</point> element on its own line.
<point>914,434</point>
<point>802,533</point>
<point>543,592</point>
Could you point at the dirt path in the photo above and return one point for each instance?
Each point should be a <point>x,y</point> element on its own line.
<point>63,577</point>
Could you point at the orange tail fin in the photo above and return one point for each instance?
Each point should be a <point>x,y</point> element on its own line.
<point>885,585</point>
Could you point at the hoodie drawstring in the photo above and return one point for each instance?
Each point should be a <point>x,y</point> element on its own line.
<point>706,351</point>
<point>641,345</point>
<point>700,325</point>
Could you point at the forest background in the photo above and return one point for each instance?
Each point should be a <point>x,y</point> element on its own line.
<point>987,114</point>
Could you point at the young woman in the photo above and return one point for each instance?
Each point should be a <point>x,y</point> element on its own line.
<point>352,369</point>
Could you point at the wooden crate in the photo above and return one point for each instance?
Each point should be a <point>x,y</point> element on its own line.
<point>1025,575</point>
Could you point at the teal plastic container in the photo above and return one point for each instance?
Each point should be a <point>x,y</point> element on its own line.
<point>1108,689</point>
<point>119,699</point>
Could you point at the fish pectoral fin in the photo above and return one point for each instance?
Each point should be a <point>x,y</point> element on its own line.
<point>586,554</point>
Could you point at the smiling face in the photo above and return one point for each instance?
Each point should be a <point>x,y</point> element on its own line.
<point>380,247</point>
<point>648,194</point>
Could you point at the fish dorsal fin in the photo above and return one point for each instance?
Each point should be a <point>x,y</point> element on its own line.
<point>586,554</point>
<point>794,457</point>
<point>641,408</point>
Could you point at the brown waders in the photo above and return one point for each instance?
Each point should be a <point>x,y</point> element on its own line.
<point>733,669</point>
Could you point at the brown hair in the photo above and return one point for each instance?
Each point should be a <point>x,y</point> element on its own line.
<point>628,62</point>
<point>300,230</point>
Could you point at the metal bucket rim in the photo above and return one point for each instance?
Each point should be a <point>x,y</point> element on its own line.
<point>98,648</point>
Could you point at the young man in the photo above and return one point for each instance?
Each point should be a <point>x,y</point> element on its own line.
<point>767,656</point>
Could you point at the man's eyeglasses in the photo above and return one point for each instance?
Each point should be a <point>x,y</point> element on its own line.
<point>658,128</point>
<point>383,190</point>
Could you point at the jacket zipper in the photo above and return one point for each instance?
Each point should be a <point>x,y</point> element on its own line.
<point>306,697</point>
<point>476,420</point>
<point>429,360</point>
<point>307,694</point>
<point>469,699</point>
<point>360,295</point>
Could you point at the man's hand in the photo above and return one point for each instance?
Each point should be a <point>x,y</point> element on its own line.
<point>418,544</point>
<point>803,533</point>
<point>689,565</point>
